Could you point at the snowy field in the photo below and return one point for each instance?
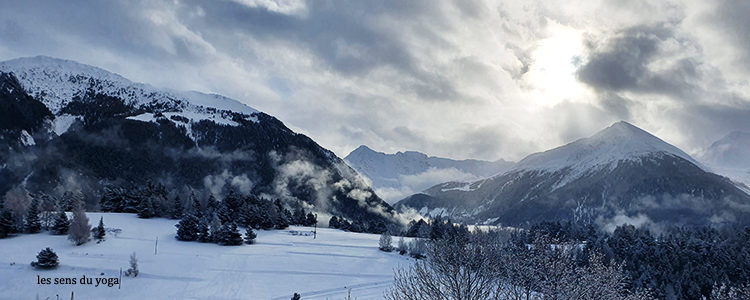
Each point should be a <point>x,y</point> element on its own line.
<point>278,265</point>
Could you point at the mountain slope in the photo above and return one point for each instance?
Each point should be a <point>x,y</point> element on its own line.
<point>396,175</point>
<point>87,129</point>
<point>730,156</point>
<point>620,174</point>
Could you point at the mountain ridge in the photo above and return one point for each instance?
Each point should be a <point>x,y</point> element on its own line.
<point>619,173</point>
<point>102,131</point>
<point>403,173</point>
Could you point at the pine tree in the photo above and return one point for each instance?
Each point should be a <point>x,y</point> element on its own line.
<point>32,224</point>
<point>7,223</point>
<point>177,208</point>
<point>196,208</point>
<point>215,227</point>
<point>228,235</point>
<point>334,222</point>
<point>212,205</point>
<point>133,270</point>
<point>61,224</point>
<point>250,236</point>
<point>299,216</point>
<point>146,208</point>
<point>311,219</point>
<point>48,207</point>
<point>80,230</point>
<point>281,220</point>
<point>377,227</point>
<point>224,214</point>
<point>356,226</point>
<point>187,228</point>
<point>46,259</point>
<point>204,236</point>
<point>99,231</point>
<point>266,222</point>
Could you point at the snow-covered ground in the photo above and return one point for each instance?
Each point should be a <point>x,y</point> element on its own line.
<point>278,265</point>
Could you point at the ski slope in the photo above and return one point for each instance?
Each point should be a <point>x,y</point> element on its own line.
<point>278,265</point>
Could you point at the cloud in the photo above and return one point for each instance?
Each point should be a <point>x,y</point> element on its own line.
<point>448,78</point>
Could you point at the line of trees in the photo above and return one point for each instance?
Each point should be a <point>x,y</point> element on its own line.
<point>218,221</point>
<point>554,260</point>
<point>45,213</point>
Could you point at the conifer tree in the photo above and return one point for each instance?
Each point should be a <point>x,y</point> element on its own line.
<point>212,205</point>
<point>204,235</point>
<point>215,227</point>
<point>281,221</point>
<point>299,216</point>
<point>99,231</point>
<point>250,236</point>
<point>61,224</point>
<point>266,222</point>
<point>196,208</point>
<point>48,207</point>
<point>7,223</point>
<point>228,235</point>
<point>46,259</point>
<point>177,208</point>
<point>32,224</point>
<point>187,228</point>
<point>334,222</point>
<point>311,219</point>
<point>133,270</point>
<point>146,208</point>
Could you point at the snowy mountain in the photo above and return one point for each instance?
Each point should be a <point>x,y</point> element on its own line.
<point>730,156</point>
<point>66,126</point>
<point>621,174</point>
<point>395,176</point>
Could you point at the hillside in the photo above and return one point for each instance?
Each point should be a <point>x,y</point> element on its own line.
<point>80,129</point>
<point>621,174</point>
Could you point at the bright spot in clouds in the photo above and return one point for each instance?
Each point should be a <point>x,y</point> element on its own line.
<point>551,77</point>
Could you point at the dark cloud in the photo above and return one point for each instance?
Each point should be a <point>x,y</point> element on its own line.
<point>623,62</point>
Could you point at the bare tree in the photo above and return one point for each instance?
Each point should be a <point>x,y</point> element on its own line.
<point>484,267</point>
<point>418,248</point>
<point>80,229</point>
<point>18,201</point>
<point>454,270</point>
<point>385,242</point>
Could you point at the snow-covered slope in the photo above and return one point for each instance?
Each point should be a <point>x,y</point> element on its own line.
<point>277,266</point>
<point>730,156</point>
<point>395,176</point>
<point>56,82</point>
<point>60,119</point>
<point>620,173</point>
<point>621,142</point>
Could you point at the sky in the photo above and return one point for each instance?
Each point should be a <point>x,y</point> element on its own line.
<point>458,79</point>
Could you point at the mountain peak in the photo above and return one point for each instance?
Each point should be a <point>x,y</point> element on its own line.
<point>55,81</point>
<point>621,141</point>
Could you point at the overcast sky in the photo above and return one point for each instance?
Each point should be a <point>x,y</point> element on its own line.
<point>463,79</point>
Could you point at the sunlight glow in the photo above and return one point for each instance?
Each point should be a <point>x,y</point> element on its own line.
<point>551,78</point>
